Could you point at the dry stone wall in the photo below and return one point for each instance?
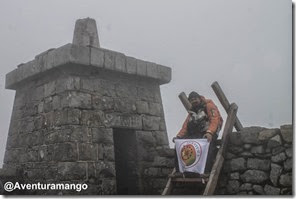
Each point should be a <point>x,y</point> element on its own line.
<point>259,161</point>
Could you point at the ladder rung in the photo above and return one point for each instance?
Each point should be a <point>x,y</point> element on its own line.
<point>189,179</point>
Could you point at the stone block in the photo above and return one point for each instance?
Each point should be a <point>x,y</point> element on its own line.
<point>250,136</point>
<point>286,180</point>
<point>102,102</point>
<point>105,169</point>
<point>258,149</point>
<point>72,170</point>
<point>270,190</point>
<point>102,135</point>
<point>131,65</point>
<point>97,57</point>
<point>86,33</point>
<point>258,189</point>
<point>87,151</point>
<point>238,164</point>
<point>278,150</point>
<point>234,176</point>
<point>65,152</point>
<point>246,187</point>
<point>162,162</point>
<point>155,109</point>
<point>141,68</point>
<point>74,116</point>
<point>164,73</point>
<point>161,138</point>
<point>67,84</point>
<point>233,187</point>
<point>279,157</point>
<point>146,138</point>
<point>11,78</point>
<point>142,107</point>
<point>236,149</point>
<point>289,152</point>
<point>267,134</point>
<point>109,154</point>
<point>80,55</point>
<point>124,90</point>
<point>93,118</point>
<point>151,122</point>
<point>254,176</point>
<point>76,100</point>
<point>152,70</point>
<point>49,89</point>
<point>274,142</point>
<point>287,133</point>
<point>247,146</point>
<point>288,164</point>
<point>124,105</point>
<point>258,164</point>
<point>120,62</point>
<point>109,58</point>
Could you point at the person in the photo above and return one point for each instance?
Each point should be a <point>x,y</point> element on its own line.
<point>203,121</point>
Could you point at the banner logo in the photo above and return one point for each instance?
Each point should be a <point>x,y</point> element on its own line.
<point>190,153</point>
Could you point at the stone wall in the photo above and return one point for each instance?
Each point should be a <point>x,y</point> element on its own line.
<point>258,161</point>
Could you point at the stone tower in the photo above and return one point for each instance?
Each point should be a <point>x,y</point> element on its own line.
<point>84,114</point>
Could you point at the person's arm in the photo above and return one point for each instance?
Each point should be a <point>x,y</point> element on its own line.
<point>183,130</point>
<point>214,117</point>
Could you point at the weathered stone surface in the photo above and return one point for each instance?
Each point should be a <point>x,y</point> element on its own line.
<point>247,146</point>
<point>152,70</point>
<point>234,176</point>
<point>155,109</point>
<point>87,151</point>
<point>258,189</point>
<point>279,157</point>
<point>151,123</point>
<point>250,135</point>
<point>275,172</point>
<point>85,33</point>
<point>258,164</point>
<point>131,65</point>
<point>267,134</point>
<point>109,58</point>
<point>270,190</point>
<point>165,73</point>
<point>246,187</point>
<point>163,161</point>
<point>142,107</point>
<point>77,99</point>
<point>141,67</point>
<point>258,149</point>
<point>288,164</point>
<point>286,180</point>
<point>246,154</point>
<point>235,138</point>
<point>72,170</point>
<point>120,62</point>
<point>102,135</point>
<point>96,57</point>
<point>289,152</point>
<point>287,133</point>
<point>254,176</point>
<point>278,150</point>
<point>235,149</point>
<point>233,186</point>
<point>65,152</point>
<point>274,142</point>
<point>161,137</point>
<point>238,164</point>
<point>146,138</point>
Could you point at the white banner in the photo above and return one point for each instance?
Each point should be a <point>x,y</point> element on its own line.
<point>192,154</point>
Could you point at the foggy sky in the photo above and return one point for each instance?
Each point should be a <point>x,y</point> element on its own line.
<point>245,45</point>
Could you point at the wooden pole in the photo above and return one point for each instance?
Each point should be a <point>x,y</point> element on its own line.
<point>214,176</point>
<point>225,103</point>
<point>185,101</point>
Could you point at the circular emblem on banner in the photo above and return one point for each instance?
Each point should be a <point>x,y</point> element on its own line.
<point>190,153</point>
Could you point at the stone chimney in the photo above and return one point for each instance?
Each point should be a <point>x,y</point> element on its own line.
<point>84,114</point>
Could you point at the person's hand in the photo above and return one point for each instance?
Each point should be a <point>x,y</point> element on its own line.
<point>175,138</point>
<point>209,136</point>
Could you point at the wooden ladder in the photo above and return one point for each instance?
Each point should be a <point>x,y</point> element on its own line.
<point>210,181</point>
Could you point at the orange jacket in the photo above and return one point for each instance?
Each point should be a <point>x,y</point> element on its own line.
<point>215,119</point>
